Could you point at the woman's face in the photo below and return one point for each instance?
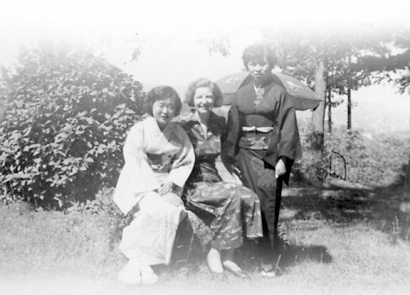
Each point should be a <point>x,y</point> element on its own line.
<point>203,100</point>
<point>259,69</point>
<point>163,111</point>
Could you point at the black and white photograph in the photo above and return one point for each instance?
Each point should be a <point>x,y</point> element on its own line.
<point>204,147</point>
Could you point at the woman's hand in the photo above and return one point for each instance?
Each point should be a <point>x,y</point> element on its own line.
<point>280,168</point>
<point>166,188</point>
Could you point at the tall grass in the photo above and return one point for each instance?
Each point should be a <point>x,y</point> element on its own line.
<point>53,241</point>
<point>45,252</point>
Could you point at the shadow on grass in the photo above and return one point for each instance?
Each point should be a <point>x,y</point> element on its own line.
<point>189,255</point>
<point>386,208</point>
<point>289,256</point>
<point>338,203</point>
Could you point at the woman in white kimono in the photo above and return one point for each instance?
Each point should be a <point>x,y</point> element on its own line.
<point>158,160</point>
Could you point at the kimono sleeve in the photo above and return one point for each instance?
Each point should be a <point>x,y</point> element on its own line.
<point>136,177</point>
<point>183,161</point>
<point>289,141</point>
<point>285,143</point>
<point>231,137</point>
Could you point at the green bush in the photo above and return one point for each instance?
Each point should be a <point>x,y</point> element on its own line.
<point>373,162</point>
<point>67,113</point>
<point>377,161</point>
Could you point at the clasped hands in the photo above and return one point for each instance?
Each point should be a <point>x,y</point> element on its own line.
<point>167,187</point>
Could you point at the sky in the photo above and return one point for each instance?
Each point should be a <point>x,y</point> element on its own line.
<point>171,34</point>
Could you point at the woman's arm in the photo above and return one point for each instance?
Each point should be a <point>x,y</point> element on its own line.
<point>229,140</point>
<point>136,177</point>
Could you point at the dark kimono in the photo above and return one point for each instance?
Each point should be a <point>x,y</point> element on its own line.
<point>262,129</point>
<point>222,211</point>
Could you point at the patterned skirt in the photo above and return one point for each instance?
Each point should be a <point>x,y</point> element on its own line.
<point>222,214</point>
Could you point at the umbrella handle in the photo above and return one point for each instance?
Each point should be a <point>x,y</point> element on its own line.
<point>278,199</point>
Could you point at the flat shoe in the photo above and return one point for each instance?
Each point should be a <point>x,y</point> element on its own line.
<point>129,277</point>
<point>148,276</point>
<point>233,268</point>
<point>268,273</point>
<point>214,261</point>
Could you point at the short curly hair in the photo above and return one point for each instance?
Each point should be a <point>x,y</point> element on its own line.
<point>203,82</point>
<point>258,51</point>
<point>161,93</point>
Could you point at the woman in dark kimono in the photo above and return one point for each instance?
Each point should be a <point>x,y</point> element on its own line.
<point>263,141</point>
<point>223,212</point>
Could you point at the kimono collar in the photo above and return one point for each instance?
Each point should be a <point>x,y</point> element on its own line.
<point>268,81</point>
<point>171,132</point>
<point>153,125</point>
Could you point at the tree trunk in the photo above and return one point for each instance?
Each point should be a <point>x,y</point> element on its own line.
<point>407,180</point>
<point>349,96</point>
<point>329,111</point>
<point>318,116</point>
<point>349,109</point>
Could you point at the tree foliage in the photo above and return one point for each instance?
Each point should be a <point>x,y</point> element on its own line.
<point>391,61</point>
<point>352,59</point>
<point>66,116</point>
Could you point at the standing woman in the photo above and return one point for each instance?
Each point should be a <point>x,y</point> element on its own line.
<point>158,161</point>
<point>224,212</point>
<point>263,141</point>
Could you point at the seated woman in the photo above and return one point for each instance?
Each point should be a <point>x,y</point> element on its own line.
<point>219,206</point>
<point>158,160</point>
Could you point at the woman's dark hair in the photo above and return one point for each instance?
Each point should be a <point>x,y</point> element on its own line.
<point>203,82</point>
<point>258,52</point>
<point>161,93</point>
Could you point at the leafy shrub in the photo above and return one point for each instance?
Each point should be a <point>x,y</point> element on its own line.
<point>67,113</point>
<point>312,167</point>
<point>371,162</point>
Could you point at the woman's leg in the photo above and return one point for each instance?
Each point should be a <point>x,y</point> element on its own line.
<point>219,207</point>
<point>251,212</point>
<point>261,179</point>
<point>149,239</point>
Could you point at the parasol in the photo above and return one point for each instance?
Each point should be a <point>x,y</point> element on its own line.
<point>303,98</point>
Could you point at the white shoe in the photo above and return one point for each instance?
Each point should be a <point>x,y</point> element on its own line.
<point>135,273</point>
<point>214,261</point>
<point>148,276</point>
<point>268,271</point>
<point>130,274</point>
<point>268,274</point>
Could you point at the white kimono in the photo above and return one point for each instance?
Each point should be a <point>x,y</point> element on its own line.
<point>152,156</point>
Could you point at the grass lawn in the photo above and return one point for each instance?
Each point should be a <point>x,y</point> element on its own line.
<point>341,242</point>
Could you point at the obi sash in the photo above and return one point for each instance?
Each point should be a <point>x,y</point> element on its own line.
<point>256,133</point>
